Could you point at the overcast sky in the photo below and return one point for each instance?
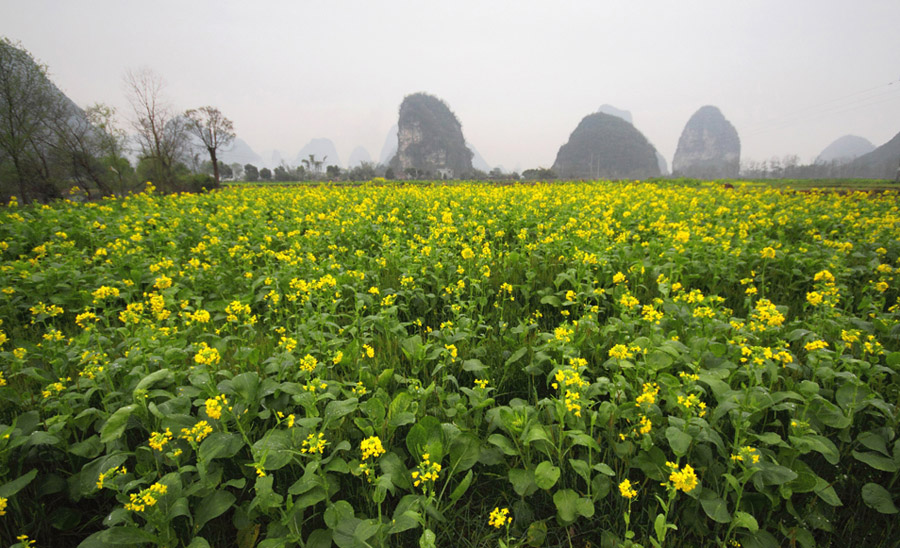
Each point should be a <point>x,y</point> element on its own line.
<point>791,76</point>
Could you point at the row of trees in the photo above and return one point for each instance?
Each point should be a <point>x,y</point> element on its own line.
<point>48,145</point>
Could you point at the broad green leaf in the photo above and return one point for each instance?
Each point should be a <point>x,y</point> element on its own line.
<point>115,424</point>
<point>339,408</point>
<point>10,488</point>
<point>461,489</point>
<point>745,520</point>
<point>878,498</point>
<point>220,445</point>
<point>503,443</point>
<point>714,506</point>
<point>212,506</point>
<point>877,461</point>
<point>164,377</point>
<point>130,536</point>
<point>564,499</point>
<point>679,441</point>
<point>522,481</point>
<point>546,475</point>
<point>427,539</point>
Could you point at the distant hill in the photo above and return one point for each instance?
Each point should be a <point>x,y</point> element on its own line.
<point>618,113</point>
<point>478,162</point>
<point>321,148</point>
<point>709,147</point>
<point>358,156</point>
<point>881,163</point>
<point>241,153</point>
<point>389,149</point>
<point>845,149</point>
<point>430,141</point>
<point>606,146</point>
<point>626,115</point>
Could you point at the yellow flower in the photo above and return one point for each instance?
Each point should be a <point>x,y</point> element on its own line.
<point>308,363</point>
<point>452,349</point>
<point>214,406</point>
<point>815,345</point>
<point>814,298</point>
<point>684,479</point>
<point>3,502</point>
<point>371,448</point>
<point>159,439</point>
<point>314,443</point>
<point>499,517</point>
<point>767,253</point>
<point>620,351</point>
<point>648,396</point>
<point>619,278</point>
<point>627,490</point>
<point>426,474</point>
<point>197,432</point>
<point>481,383</point>
<point>563,334</point>
<point>207,355</point>
<point>368,351</point>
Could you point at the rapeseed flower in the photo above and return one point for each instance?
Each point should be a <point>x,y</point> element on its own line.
<point>627,490</point>
<point>499,517</point>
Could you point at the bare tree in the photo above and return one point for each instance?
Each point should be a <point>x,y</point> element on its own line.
<point>214,131</point>
<point>162,135</point>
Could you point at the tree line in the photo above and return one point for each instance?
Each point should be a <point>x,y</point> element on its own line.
<point>50,147</point>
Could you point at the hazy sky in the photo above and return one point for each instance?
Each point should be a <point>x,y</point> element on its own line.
<point>791,76</point>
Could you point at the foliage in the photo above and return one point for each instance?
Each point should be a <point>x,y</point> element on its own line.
<point>460,365</point>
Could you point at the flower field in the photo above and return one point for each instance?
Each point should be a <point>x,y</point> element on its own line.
<point>574,364</point>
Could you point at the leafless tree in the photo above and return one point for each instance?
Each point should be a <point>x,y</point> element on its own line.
<point>214,130</point>
<point>161,134</point>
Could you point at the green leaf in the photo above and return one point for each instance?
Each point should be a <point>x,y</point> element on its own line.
<point>212,506</point>
<point>714,506</point>
<point>516,356</point>
<point>463,486</point>
<point>551,300</point>
<point>220,445</point>
<point>546,475</point>
<point>581,468</point>
<point>320,538</point>
<point>659,360</point>
<point>605,469</point>
<point>659,527</point>
<point>564,499</point>
<point>745,520</point>
<point>877,461</point>
<point>679,441</point>
<point>339,408</point>
<point>503,443</point>
<point>115,424</point>
<point>198,542</point>
<point>246,386</point>
<point>10,488</point>
<point>426,436</point>
<point>473,365</point>
<point>775,474</point>
<point>464,452</point>
<point>130,536</point>
<point>275,449</point>
<point>164,377</point>
<point>427,539</point>
<point>522,481</point>
<point>877,498</point>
